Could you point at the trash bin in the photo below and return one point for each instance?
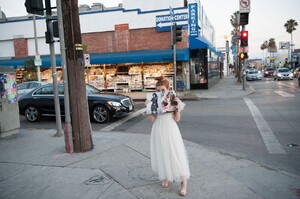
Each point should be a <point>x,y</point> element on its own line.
<point>9,109</point>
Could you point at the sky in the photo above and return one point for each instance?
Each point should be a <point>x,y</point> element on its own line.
<point>266,19</point>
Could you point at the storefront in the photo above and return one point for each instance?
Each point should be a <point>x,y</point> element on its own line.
<point>205,64</point>
<point>123,71</point>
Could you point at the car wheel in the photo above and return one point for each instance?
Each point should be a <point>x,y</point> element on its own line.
<point>101,114</point>
<point>32,114</point>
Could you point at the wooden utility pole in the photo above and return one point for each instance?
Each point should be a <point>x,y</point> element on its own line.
<point>81,128</point>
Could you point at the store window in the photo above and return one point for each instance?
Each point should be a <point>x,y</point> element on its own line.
<point>198,68</point>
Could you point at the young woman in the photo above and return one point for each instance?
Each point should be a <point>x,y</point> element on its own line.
<point>168,154</point>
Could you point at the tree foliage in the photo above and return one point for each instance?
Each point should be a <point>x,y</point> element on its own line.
<point>235,24</point>
<point>290,25</point>
<point>30,73</point>
<point>272,45</point>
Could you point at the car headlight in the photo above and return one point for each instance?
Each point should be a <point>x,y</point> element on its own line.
<point>291,75</point>
<point>279,75</point>
<point>115,104</point>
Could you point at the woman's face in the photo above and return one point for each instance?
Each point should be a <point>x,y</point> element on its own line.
<point>161,88</point>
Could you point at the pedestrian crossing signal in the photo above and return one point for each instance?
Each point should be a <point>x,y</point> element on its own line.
<point>177,33</point>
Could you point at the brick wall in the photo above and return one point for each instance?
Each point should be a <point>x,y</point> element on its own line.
<point>21,48</point>
<point>124,39</point>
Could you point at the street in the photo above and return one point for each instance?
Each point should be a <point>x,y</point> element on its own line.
<point>230,126</point>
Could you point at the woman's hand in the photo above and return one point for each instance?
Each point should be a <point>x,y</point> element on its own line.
<point>152,118</point>
<point>146,102</point>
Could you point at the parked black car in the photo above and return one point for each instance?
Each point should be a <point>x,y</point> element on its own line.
<point>102,106</point>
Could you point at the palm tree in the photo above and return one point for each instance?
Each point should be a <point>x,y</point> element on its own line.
<point>235,24</point>
<point>236,33</point>
<point>272,48</point>
<point>290,26</point>
<point>264,46</point>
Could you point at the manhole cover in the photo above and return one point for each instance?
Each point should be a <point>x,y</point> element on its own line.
<point>98,180</point>
<point>292,145</point>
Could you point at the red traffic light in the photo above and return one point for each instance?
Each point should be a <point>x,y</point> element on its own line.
<point>244,38</point>
<point>244,34</point>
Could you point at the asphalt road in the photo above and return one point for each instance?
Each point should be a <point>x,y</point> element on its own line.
<point>262,127</point>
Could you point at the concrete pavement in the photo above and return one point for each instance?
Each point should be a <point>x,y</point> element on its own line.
<point>34,165</point>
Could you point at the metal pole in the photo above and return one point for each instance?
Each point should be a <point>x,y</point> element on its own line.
<point>54,78</point>
<point>174,60</point>
<point>243,66</point>
<point>37,55</point>
<point>68,126</point>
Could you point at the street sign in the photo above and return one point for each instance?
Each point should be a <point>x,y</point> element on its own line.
<point>244,6</point>
<point>233,49</point>
<point>193,20</point>
<point>87,60</point>
<point>284,45</point>
<point>38,62</point>
<point>163,22</point>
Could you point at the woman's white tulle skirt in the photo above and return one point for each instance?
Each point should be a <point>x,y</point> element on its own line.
<point>168,155</point>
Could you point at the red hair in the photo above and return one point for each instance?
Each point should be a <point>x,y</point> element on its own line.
<point>161,81</point>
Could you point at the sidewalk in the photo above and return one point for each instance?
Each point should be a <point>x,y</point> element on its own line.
<point>34,165</point>
<point>227,87</point>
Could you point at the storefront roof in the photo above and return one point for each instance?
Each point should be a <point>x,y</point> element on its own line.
<point>112,58</point>
<point>201,43</point>
<point>139,56</point>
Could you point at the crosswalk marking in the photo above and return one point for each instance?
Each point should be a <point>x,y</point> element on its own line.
<point>270,140</point>
<point>286,85</point>
<point>284,94</point>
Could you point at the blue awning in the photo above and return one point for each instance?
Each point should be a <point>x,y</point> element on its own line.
<point>19,62</point>
<point>113,57</point>
<point>201,43</point>
<point>139,56</point>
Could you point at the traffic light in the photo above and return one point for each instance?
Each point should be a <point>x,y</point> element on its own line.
<point>243,56</point>
<point>34,7</point>
<point>286,60</point>
<point>177,32</point>
<point>55,28</point>
<point>244,38</point>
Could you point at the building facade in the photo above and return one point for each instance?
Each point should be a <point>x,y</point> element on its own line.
<point>128,45</point>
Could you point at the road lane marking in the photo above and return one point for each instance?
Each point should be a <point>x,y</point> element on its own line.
<point>121,121</point>
<point>270,140</point>
<point>286,85</point>
<point>284,94</point>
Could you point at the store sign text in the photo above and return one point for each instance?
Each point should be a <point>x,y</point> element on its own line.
<point>193,13</point>
<point>163,22</point>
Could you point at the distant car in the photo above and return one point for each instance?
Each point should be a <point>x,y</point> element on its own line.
<point>297,72</point>
<point>26,87</point>
<point>283,73</point>
<point>268,72</point>
<point>102,106</point>
<point>253,75</point>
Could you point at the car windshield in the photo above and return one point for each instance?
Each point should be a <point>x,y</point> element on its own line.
<point>270,69</point>
<point>92,90</point>
<point>253,72</point>
<point>283,70</point>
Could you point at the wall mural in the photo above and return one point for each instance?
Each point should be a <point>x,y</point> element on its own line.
<point>8,87</point>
